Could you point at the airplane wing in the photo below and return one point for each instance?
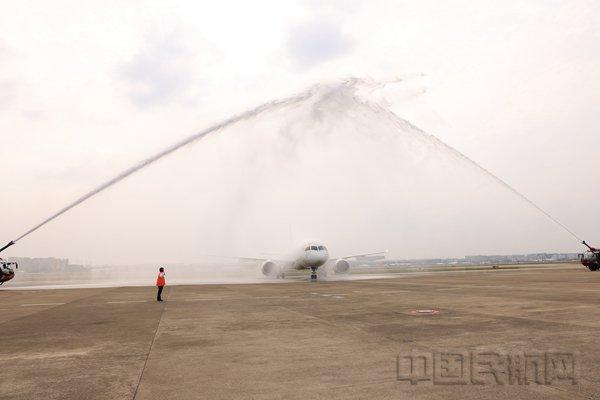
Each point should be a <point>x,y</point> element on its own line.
<point>364,255</point>
<point>245,259</point>
<point>238,258</point>
<point>332,261</point>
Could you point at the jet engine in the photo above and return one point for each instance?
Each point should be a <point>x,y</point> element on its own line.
<point>341,266</point>
<point>270,268</point>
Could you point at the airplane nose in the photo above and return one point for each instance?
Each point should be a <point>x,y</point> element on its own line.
<point>316,258</point>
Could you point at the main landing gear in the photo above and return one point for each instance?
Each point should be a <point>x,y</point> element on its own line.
<point>313,273</point>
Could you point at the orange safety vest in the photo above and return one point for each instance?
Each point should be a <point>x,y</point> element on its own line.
<point>160,281</point>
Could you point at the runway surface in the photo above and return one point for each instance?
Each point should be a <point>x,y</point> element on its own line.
<point>303,340</point>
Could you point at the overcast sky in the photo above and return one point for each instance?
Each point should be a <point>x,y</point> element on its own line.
<point>88,88</point>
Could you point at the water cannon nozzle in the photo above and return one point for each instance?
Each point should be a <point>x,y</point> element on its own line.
<point>7,245</point>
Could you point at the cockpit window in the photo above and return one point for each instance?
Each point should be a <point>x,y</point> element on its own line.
<point>307,248</point>
<point>321,248</point>
<point>314,248</point>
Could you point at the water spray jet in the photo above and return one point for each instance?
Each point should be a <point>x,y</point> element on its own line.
<point>348,88</point>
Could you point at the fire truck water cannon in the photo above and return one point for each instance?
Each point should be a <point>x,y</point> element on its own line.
<point>591,258</point>
<point>7,268</point>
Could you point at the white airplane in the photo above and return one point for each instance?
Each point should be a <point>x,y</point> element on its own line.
<point>311,256</point>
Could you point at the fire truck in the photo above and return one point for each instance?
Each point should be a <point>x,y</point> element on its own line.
<point>7,270</point>
<point>591,258</point>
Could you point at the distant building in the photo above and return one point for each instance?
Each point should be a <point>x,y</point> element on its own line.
<point>48,264</point>
<point>483,260</point>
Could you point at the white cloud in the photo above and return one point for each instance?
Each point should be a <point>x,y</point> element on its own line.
<point>162,72</point>
<point>8,93</point>
<point>9,86</point>
<point>316,42</point>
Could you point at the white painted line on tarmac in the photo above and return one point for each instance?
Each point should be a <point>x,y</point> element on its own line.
<point>42,304</point>
<point>334,296</point>
<point>273,297</point>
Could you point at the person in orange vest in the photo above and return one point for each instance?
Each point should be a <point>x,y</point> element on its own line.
<point>160,282</point>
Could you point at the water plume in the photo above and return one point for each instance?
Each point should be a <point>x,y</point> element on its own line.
<point>146,162</point>
<point>327,162</point>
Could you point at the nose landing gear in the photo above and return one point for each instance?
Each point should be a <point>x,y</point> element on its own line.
<point>313,273</point>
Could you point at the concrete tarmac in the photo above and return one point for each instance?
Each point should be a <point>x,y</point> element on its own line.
<point>519,334</point>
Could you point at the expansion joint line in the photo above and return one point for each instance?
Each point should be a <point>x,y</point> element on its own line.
<point>162,311</point>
